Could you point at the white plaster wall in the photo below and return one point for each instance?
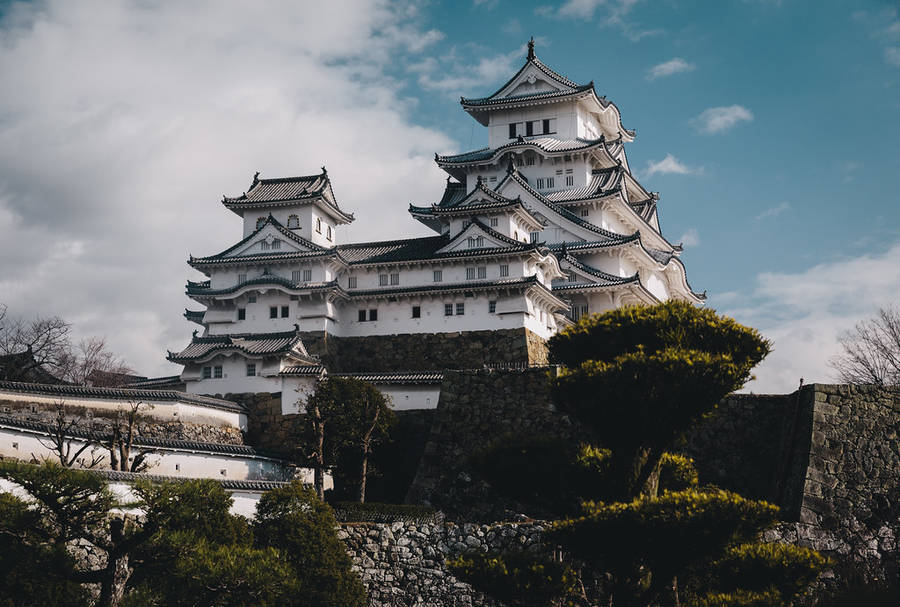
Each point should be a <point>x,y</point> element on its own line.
<point>411,396</point>
<point>161,410</point>
<point>294,391</point>
<point>656,285</point>
<point>564,113</point>
<point>234,376</point>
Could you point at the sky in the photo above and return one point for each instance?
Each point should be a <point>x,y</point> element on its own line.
<point>768,127</point>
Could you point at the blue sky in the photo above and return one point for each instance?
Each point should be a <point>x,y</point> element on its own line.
<point>769,129</point>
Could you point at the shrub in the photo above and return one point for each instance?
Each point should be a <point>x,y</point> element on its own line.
<point>740,598</point>
<point>371,512</point>
<point>677,472</point>
<point>761,567</point>
<point>517,578</point>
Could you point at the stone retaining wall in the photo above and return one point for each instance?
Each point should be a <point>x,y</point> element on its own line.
<point>403,564</point>
<point>100,419</point>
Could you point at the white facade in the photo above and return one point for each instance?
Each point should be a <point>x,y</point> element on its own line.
<point>545,225</point>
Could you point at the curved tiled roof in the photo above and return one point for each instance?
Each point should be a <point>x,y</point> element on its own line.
<point>315,370</point>
<point>156,383</point>
<point>472,285</point>
<point>266,279</point>
<point>546,144</point>
<point>254,344</point>
<point>125,394</point>
<point>286,190</point>
<point>605,277</point>
<point>237,485</point>
<point>538,96</point>
<point>602,183</point>
<point>194,315</point>
<point>402,377</point>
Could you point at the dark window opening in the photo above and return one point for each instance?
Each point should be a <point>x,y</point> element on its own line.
<point>362,316</point>
<point>242,313</point>
<point>373,314</point>
<point>273,312</point>
<point>416,312</point>
<point>285,311</point>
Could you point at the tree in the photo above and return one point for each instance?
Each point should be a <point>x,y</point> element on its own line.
<point>61,441</point>
<point>293,520</point>
<point>871,351</point>
<point>46,338</point>
<point>343,413</point>
<point>638,377</point>
<point>120,442</point>
<point>91,355</point>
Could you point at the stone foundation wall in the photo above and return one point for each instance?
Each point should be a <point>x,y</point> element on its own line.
<point>267,427</point>
<point>403,564</point>
<point>426,351</point>
<point>100,419</point>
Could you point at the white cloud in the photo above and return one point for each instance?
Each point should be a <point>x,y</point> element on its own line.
<point>669,68</point>
<point>720,119</point>
<point>119,136</point>
<point>892,55</point>
<point>670,166</point>
<point>458,76</point>
<point>614,14</point>
<point>804,312</point>
<point>774,211</point>
<point>691,238</point>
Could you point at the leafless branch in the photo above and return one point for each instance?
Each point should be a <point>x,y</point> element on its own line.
<point>871,351</point>
<point>61,442</point>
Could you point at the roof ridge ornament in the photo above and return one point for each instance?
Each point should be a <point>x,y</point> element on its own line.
<point>531,55</point>
<point>255,179</point>
<point>324,171</point>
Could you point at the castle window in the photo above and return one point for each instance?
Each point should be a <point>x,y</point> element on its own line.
<point>285,311</point>
<point>540,183</point>
<point>242,278</point>
<point>448,309</point>
<point>177,467</point>
<point>529,160</point>
<point>559,171</point>
<point>260,222</point>
<point>295,275</point>
<point>251,369</point>
<point>493,178</point>
<point>217,372</point>
<point>250,298</point>
<point>273,311</point>
<point>242,313</point>
<point>351,282</point>
<point>362,316</point>
<point>504,270</point>
<point>492,307</point>
<point>546,126</point>
<point>373,314</point>
<point>520,161</point>
<point>585,212</point>
<point>535,236</point>
<point>307,275</point>
<point>568,171</point>
<point>293,222</point>
<point>471,242</point>
<point>328,232</point>
<point>495,222</point>
<point>570,180</point>
<point>395,279</point>
<point>438,275</point>
<point>276,244</point>
<point>529,128</point>
<point>470,273</point>
<point>550,182</point>
<point>264,245</point>
<point>207,372</point>
<point>382,280</point>
<point>572,277</point>
<point>460,309</point>
<point>416,312</point>
<point>482,271</point>
<point>319,225</point>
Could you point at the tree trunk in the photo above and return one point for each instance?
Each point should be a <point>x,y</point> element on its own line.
<point>363,471</point>
<point>319,466</point>
<point>112,586</point>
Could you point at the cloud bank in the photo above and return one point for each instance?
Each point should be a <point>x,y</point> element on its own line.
<point>721,119</point>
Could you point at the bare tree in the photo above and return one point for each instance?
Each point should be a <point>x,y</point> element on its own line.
<point>46,338</point>
<point>121,443</point>
<point>65,447</point>
<point>871,351</point>
<point>91,355</point>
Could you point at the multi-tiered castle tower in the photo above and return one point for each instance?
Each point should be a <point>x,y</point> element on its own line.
<point>543,226</point>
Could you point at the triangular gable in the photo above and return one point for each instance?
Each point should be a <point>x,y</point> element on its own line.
<point>482,238</point>
<point>529,81</point>
<point>264,241</point>
<point>481,194</point>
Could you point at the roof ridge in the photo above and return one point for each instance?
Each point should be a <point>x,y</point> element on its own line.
<point>361,245</point>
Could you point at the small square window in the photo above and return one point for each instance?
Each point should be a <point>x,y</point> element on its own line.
<point>296,275</point>
<point>351,282</point>
<point>540,183</point>
<point>546,125</point>
<point>417,312</point>
<point>585,212</point>
<point>242,313</point>
<point>264,245</point>
<point>470,273</point>
<point>251,298</point>
<point>512,130</point>
<point>492,307</point>
<point>395,279</point>
<point>307,275</point>
<point>217,372</point>
<point>362,316</point>
<point>550,182</point>
<point>242,278</point>
<point>177,467</point>
<point>328,232</point>
<point>251,369</point>
<point>373,314</point>
<point>207,372</point>
<point>319,225</point>
<point>448,309</point>
<point>460,309</point>
<point>273,311</point>
<point>382,280</point>
<point>535,236</point>
<point>276,244</point>
<point>482,272</point>
<point>438,275</point>
<point>529,128</point>
<point>285,311</point>
<point>504,270</point>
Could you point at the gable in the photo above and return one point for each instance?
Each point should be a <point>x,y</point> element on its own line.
<point>269,239</point>
<point>474,237</point>
<point>529,82</point>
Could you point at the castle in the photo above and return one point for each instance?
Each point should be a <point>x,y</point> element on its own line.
<point>541,227</point>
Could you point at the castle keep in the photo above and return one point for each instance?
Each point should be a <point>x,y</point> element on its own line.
<point>541,227</point>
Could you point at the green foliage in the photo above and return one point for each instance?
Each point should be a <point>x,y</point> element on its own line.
<point>372,512</point>
<point>518,579</point>
<point>35,572</point>
<point>677,472</point>
<point>551,475</point>
<point>674,324</point>
<point>758,567</point>
<point>665,535</point>
<point>740,598</point>
<point>293,520</point>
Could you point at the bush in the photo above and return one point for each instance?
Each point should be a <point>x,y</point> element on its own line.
<point>760,567</point>
<point>517,578</point>
<point>740,598</point>
<point>371,512</point>
<point>677,472</point>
